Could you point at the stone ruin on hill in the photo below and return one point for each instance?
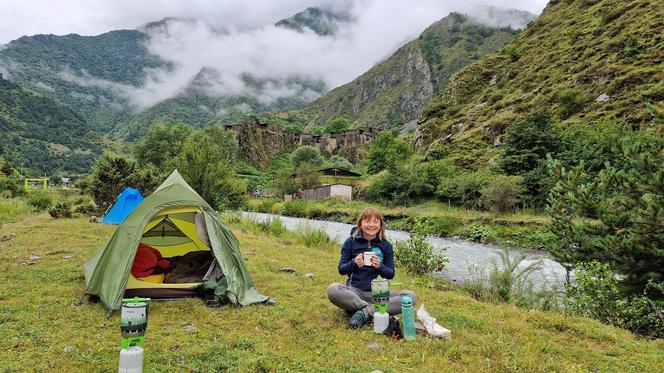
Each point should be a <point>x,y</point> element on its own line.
<point>260,142</point>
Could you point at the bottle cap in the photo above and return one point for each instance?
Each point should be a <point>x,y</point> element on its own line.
<point>406,301</point>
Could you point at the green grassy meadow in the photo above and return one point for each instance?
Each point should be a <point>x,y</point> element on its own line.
<point>45,330</point>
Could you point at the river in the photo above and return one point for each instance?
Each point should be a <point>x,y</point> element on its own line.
<point>467,259</point>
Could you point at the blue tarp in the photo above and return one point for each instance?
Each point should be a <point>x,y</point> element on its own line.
<point>125,203</point>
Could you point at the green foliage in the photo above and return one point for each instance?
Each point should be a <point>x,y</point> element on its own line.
<point>285,183</point>
<point>42,135</point>
<point>61,209</point>
<point>464,188</point>
<point>439,225</point>
<point>12,209</point>
<point>207,163</point>
<point>312,237</point>
<point>387,151</point>
<point>40,200</point>
<point>10,187</point>
<point>337,125</point>
<point>502,193</point>
<point>596,293</point>
<point>615,217</point>
<point>112,173</point>
<point>607,48</point>
<point>61,67</point>
<point>418,257</point>
<point>571,101</point>
<point>408,182</point>
<point>507,281</point>
<point>479,232</point>
<point>513,52</point>
<point>527,144</point>
<point>161,146</point>
<point>337,161</point>
<point>297,208</point>
<point>272,227</point>
<point>307,154</point>
<point>308,175</point>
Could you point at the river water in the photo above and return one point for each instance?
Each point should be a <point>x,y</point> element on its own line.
<point>467,259</point>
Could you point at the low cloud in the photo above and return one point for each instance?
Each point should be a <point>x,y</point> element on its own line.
<point>217,48</point>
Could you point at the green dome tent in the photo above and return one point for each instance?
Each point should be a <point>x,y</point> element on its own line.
<point>174,220</point>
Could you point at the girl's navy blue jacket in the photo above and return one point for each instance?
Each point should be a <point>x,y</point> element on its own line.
<point>361,277</point>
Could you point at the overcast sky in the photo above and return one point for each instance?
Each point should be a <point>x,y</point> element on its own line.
<point>249,43</point>
<point>92,17</point>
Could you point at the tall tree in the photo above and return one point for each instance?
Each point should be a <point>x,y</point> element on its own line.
<point>616,217</point>
<point>207,163</point>
<point>527,143</point>
<point>162,145</point>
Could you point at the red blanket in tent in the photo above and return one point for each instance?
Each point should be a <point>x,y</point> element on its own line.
<point>148,262</point>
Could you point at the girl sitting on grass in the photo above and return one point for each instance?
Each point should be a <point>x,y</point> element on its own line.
<point>355,296</point>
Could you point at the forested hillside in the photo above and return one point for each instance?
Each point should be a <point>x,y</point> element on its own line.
<point>579,62</point>
<point>87,73</point>
<point>41,135</point>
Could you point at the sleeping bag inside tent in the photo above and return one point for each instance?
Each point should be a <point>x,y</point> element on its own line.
<point>124,204</point>
<point>167,247</point>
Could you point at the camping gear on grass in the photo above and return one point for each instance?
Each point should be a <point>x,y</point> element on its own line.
<point>408,315</point>
<point>124,204</point>
<point>380,320</point>
<point>131,360</point>
<point>174,220</point>
<point>430,326</point>
<point>134,321</point>
<point>380,291</point>
<point>393,329</point>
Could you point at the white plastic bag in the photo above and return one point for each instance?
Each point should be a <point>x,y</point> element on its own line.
<point>430,326</point>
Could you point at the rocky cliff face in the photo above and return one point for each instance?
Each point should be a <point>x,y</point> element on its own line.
<point>260,142</point>
<point>396,90</point>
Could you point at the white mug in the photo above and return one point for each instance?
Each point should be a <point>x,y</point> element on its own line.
<point>367,258</point>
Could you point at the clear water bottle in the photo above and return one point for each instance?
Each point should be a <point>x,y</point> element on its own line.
<point>408,315</point>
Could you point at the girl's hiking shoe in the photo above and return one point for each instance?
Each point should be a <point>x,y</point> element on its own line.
<point>358,319</point>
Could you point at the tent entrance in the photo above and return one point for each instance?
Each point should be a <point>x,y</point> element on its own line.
<point>179,239</point>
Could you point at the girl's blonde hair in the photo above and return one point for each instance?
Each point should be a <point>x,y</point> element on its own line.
<point>371,212</point>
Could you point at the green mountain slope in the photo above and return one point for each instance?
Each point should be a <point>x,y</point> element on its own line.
<point>321,21</point>
<point>42,135</point>
<point>396,90</point>
<point>196,108</point>
<point>84,72</point>
<point>580,61</point>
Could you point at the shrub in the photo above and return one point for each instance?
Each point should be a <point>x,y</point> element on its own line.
<point>597,294</point>
<point>507,281</point>
<point>404,224</point>
<point>306,154</point>
<point>11,208</point>
<point>464,188</point>
<point>502,193</point>
<point>312,237</point>
<point>571,102</point>
<point>266,205</point>
<point>439,225</point>
<point>61,209</point>
<point>40,199</point>
<point>297,208</point>
<point>10,187</point>
<point>273,226</point>
<point>418,257</point>
<point>513,52</point>
<point>479,232</point>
